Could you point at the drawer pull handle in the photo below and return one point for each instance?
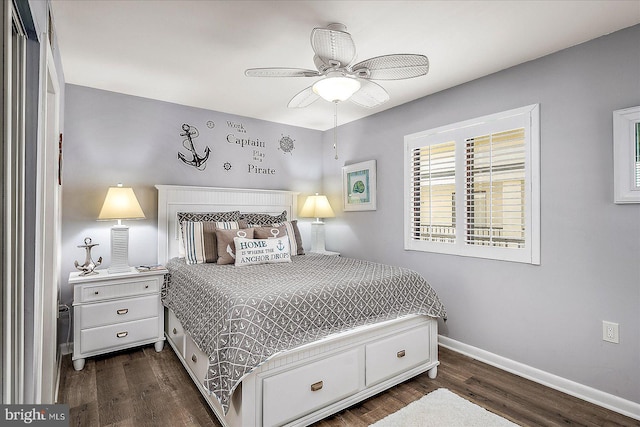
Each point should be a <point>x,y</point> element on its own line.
<point>146,286</point>
<point>96,293</point>
<point>123,311</point>
<point>175,331</point>
<point>316,386</point>
<point>122,334</point>
<point>194,358</point>
<point>400,354</point>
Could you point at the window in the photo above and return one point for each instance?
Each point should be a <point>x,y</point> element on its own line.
<point>637,156</point>
<point>472,188</point>
<point>626,155</point>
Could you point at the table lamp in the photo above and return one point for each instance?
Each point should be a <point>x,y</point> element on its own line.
<point>120,203</point>
<point>317,207</point>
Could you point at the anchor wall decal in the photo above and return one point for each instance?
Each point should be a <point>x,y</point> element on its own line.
<point>197,161</point>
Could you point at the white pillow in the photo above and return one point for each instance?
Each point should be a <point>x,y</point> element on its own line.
<point>262,251</point>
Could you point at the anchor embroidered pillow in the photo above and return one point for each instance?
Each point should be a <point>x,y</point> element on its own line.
<point>262,251</point>
<point>226,245</point>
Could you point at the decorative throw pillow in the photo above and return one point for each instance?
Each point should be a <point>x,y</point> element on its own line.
<point>261,251</point>
<point>269,232</point>
<point>295,238</point>
<point>208,216</point>
<point>202,217</point>
<point>255,219</point>
<point>199,240</point>
<point>226,246</point>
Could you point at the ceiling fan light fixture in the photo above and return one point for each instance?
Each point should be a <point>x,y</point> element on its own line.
<point>336,88</point>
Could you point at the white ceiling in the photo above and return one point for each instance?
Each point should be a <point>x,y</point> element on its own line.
<point>195,52</point>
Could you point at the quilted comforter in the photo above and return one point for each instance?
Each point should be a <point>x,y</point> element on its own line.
<point>242,316</point>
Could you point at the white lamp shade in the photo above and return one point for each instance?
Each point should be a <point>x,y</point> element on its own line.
<point>317,207</point>
<point>338,88</point>
<point>121,203</point>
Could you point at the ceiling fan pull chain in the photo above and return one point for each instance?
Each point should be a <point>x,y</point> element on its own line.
<point>335,129</point>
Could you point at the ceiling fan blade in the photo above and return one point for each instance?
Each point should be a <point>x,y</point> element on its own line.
<point>333,45</point>
<point>280,72</point>
<point>303,98</point>
<point>392,67</point>
<point>370,95</point>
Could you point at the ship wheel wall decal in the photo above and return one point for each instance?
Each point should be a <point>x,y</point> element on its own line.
<point>197,161</point>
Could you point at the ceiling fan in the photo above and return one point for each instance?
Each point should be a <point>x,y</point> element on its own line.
<point>341,79</point>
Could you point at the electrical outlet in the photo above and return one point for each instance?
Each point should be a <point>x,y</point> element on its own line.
<point>610,332</point>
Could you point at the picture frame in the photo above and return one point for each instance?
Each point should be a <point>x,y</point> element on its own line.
<point>626,155</point>
<point>359,186</point>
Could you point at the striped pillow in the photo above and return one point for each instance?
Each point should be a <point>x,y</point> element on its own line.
<point>199,239</point>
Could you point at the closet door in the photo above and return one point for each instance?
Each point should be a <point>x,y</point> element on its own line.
<point>12,212</point>
<point>47,230</point>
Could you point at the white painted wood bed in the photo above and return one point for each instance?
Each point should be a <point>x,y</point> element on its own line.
<point>311,382</point>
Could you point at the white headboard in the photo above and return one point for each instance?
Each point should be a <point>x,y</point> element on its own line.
<point>175,198</point>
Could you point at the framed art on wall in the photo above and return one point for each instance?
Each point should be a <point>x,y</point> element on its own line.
<point>626,155</point>
<point>359,186</point>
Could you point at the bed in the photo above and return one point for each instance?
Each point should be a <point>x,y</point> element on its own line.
<point>269,346</point>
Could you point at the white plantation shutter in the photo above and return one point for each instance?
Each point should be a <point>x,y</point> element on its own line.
<point>637,159</point>
<point>495,189</point>
<point>432,184</point>
<point>472,188</point>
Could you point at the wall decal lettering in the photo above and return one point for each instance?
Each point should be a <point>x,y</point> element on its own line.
<point>258,156</point>
<point>259,170</point>
<point>237,126</point>
<point>245,142</point>
<point>197,161</point>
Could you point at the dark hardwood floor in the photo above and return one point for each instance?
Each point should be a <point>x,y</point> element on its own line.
<point>144,388</point>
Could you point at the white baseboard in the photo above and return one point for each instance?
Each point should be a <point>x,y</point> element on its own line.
<point>597,397</point>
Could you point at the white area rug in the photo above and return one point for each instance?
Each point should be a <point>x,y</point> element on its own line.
<point>442,408</point>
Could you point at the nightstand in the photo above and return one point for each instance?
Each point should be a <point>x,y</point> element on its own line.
<point>116,311</point>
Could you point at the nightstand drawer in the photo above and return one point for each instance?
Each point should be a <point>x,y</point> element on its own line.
<point>102,291</point>
<point>114,336</point>
<point>120,311</point>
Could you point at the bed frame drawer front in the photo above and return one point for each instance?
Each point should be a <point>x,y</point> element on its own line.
<point>118,336</point>
<point>398,353</point>
<point>294,393</point>
<point>175,332</point>
<point>108,313</point>
<point>196,359</point>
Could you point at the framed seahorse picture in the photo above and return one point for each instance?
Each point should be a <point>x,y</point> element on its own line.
<point>359,186</point>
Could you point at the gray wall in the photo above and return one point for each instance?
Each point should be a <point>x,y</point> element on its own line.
<point>548,316</point>
<point>113,138</point>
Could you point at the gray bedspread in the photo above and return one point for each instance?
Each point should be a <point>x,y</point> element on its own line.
<point>241,316</point>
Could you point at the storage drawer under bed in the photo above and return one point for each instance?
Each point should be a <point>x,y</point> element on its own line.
<point>175,331</point>
<point>299,391</point>
<point>390,356</point>
<point>196,359</point>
